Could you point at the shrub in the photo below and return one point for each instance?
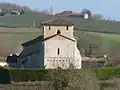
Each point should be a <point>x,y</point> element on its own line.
<point>107,73</point>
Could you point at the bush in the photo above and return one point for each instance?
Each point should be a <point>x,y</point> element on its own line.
<point>107,73</point>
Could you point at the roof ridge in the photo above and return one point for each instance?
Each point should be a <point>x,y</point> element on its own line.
<point>41,38</point>
<point>58,22</point>
<point>47,38</point>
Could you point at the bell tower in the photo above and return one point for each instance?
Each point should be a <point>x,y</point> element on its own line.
<point>59,26</point>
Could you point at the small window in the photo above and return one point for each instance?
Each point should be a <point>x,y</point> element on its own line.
<point>67,27</point>
<point>49,27</point>
<point>58,51</point>
<point>58,32</point>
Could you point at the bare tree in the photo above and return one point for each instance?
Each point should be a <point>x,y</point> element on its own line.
<point>90,50</point>
<point>86,11</point>
<point>72,79</point>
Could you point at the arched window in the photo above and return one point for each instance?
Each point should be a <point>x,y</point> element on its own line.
<point>59,68</point>
<point>58,32</point>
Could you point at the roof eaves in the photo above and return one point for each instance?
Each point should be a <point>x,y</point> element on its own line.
<point>55,22</point>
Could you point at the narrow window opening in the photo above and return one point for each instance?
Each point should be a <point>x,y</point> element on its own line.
<point>49,27</point>
<point>58,32</point>
<point>67,27</point>
<point>58,51</point>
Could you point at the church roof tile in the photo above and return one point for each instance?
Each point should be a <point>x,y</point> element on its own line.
<point>58,22</point>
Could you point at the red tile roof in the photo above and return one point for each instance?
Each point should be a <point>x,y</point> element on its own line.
<point>59,22</point>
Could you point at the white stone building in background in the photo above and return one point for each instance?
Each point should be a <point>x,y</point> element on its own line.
<point>57,47</point>
<point>86,16</point>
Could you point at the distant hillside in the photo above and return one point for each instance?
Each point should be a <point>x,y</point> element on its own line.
<point>87,25</point>
<point>35,18</point>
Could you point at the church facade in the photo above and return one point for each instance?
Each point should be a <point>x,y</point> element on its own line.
<point>57,47</point>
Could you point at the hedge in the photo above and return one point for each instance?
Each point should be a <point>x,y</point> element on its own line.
<point>23,75</point>
<point>4,76</point>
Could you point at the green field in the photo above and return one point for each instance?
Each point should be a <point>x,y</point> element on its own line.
<point>106,43</point>
<point>10,43</point>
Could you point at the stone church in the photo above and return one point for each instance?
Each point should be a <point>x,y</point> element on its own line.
<point>56,48</point>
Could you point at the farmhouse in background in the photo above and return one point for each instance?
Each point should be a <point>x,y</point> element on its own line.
<point>83,16</point>
<point>15,13</point>
<point>56,48</point>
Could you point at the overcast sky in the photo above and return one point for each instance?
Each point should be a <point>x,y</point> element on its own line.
<point>108,8</point>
